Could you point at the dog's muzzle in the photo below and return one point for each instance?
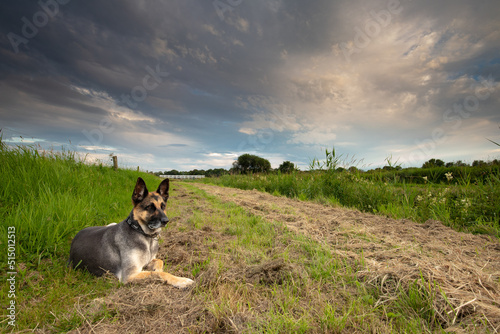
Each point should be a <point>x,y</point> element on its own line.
<point>158,223</point>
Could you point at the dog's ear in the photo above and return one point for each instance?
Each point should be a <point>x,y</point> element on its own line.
<point>140,192</point>
<point>163,189</point>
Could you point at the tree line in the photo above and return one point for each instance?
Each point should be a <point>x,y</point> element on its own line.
<point>245,164</point>
<point>250,164</point>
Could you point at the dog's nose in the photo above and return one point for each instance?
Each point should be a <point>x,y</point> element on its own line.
<point>164,220</point>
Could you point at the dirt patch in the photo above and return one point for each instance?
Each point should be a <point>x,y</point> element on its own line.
<point>464,268</point>
<point>271,272</point>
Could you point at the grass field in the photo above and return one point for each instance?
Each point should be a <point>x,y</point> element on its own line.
<point>252,275</point>
<point>460,203</point>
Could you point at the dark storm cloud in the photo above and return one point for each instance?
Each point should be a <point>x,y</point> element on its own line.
<point>271,76</point>
<point>107,45</point>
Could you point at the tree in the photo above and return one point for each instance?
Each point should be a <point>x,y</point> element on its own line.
<point>249,163</point>
<point>286,167</point>
<point>215,172</point>
<point>196,172</point>
<point>433,163</point>
<point>353,169</point>
<point>478,163</point>
<point>391,168</point>
<point>459,163</point>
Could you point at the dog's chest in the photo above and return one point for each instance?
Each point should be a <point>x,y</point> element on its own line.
<point>153,248</point>
<point>139,252</point>
<point>150,250</point>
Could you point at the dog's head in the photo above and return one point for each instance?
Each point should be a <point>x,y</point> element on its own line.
<point>150,207</point>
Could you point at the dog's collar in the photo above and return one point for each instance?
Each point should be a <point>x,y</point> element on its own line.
<point>134,224</point>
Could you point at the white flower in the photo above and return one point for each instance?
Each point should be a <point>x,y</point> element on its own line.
<point>449,176</point>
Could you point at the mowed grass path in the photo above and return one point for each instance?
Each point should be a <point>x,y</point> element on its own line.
<point>461,204</point>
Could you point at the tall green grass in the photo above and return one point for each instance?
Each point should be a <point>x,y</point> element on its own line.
<point>463,206</point>
<point>436,175</point>
<point>49,196</point>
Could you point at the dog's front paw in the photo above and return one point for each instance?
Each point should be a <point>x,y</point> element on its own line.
<point>182,282</point>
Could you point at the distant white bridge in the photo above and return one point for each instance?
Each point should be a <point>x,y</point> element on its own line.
<point>183,176</point>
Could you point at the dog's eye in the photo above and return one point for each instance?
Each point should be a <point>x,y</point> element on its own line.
<point>163,206</point>
<point>151,208</point>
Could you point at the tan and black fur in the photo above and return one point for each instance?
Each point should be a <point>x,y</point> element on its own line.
<point>128,249</point>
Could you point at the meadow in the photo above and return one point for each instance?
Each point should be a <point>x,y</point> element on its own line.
<point>252,274</point>
<point>464,198</point>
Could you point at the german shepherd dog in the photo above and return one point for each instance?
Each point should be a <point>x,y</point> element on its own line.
<point>128,249</point>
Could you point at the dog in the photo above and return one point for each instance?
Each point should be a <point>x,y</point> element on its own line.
<point>128,249</point>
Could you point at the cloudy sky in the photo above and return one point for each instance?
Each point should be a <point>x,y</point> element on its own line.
<point>184,84</point>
